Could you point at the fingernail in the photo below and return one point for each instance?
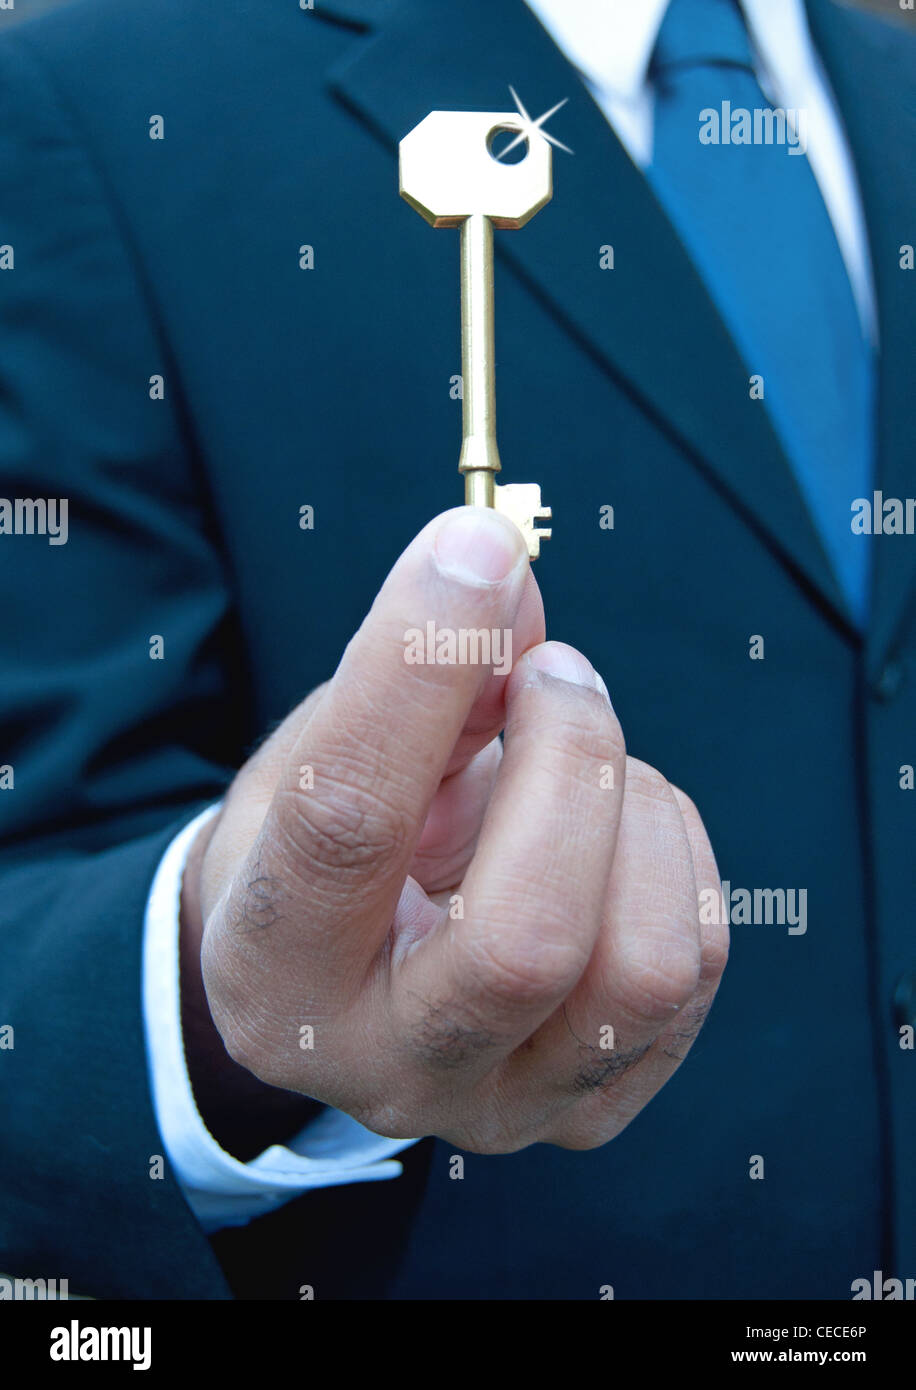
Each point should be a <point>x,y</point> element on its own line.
<point>564,662</point>
<point>478,546</point>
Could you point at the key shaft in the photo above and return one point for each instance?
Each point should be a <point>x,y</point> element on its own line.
<point>479,460</point>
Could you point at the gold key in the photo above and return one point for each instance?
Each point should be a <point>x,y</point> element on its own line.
<point>449,175</point>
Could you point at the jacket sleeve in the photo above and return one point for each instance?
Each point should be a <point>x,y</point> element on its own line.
<point>117,656</point>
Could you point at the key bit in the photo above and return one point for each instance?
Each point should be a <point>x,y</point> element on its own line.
<point>448,174</point>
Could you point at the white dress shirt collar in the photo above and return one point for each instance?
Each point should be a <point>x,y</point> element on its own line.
<point>611,41</point>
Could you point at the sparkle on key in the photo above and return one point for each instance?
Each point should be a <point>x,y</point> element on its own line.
<point>531,127</point>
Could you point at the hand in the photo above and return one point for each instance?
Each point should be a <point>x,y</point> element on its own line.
<point>458,927</point>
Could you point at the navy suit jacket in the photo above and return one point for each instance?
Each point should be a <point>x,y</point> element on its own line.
<point>330,387</point>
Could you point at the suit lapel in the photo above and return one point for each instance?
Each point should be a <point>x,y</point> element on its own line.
<point>871,69</point>
<point>649,321</point>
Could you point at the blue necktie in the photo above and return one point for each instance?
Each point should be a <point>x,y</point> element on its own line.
<point>753,219</point>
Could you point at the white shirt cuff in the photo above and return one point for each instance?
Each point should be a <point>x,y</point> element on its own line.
<point>221,1190</point>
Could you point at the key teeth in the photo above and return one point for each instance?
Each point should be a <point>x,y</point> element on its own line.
<point>521,503</point>
<point>543,533</point>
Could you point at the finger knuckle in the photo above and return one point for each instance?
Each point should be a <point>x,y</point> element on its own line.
<point>579,1140</point>
<point>345,829</point>
<point>528,973</point>
<point>493,1145</point>
<point>588,1125</point>
<point>390,1120</point>
<point>490,1133</point>
<point>661,973</point>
